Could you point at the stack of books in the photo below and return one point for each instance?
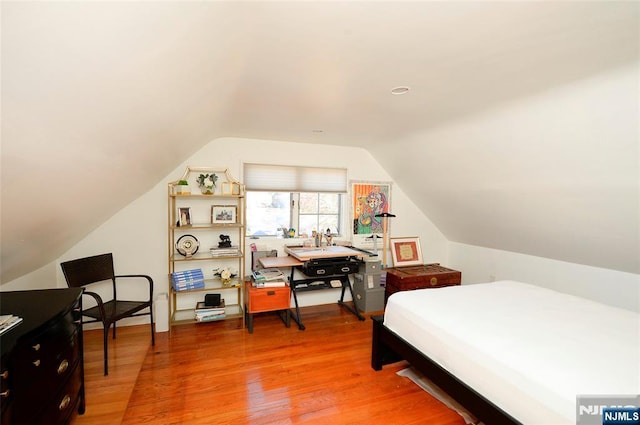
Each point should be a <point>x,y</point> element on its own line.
<point>225,252</point>
<point>206,313</point>
<point>265,275</point>
<point>268,278</point>
<point>187,279</point>
<point>9,321</point>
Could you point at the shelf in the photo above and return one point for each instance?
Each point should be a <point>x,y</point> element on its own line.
<point>186,316</point>
<point>203,257</point>
<point>208,228</point>
<point>212,284</point>
<point>201,196</point>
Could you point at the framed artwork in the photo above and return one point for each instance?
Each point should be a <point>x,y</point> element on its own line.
<point>367,200</point>
<point>406,252</point>
<point>224,214</point>
<point>184,216</point>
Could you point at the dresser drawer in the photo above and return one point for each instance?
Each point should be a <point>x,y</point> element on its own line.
<point>6,390</point>
<point>41,356</point>
<point>268,299</point>
<point>47,374</point>
<point>60,407</point>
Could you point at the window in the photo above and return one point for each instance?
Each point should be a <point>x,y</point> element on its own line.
<point>284,197</point>
<point>269,212</point>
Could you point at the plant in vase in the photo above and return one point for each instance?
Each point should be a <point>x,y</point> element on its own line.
<point>182,188</point>
<point>207,183</point>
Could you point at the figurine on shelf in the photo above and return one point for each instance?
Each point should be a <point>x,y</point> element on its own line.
<point>225,274</point>
<point>225,241</point>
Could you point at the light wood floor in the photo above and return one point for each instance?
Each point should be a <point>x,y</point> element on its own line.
<point>216,373</point>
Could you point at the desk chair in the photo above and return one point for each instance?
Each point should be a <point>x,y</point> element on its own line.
<point>86,271</point>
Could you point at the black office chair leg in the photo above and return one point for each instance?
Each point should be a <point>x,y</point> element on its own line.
<point>114,330</point>
<point>106,339</point>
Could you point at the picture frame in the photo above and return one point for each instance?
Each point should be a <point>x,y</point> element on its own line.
<point>367,200</point>
<point>224,214</point>
<point>184,216</point>
<point>230,188</point>
<point>406,251</point>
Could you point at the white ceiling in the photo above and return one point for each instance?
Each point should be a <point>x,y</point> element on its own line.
<point>101,96</point>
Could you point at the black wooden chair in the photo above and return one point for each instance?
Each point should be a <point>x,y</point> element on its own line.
<point>89,270</point>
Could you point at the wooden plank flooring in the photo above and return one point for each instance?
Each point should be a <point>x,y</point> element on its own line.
<point>216,373</point>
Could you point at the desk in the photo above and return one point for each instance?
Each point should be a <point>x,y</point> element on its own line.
<point>297,260</point>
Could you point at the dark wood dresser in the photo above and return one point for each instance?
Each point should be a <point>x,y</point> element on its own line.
<point>420,277</point>
<point>42,367</point>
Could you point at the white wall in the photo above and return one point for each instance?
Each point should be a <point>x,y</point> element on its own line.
<point>137,235</point>
<point>611,287</point>
<point>42,278</point>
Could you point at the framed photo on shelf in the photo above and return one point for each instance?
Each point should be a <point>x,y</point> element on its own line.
<point>406,252</point>
<point>230,188</point>
<point>224,214</point>
<point>184,216</point>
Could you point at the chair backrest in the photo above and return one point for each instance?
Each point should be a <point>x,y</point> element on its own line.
<point>84,271</point>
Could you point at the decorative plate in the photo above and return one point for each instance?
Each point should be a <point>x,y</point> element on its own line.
<point>187,245</point>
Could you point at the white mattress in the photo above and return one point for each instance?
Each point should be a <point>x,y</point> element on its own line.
<point>528,349</point>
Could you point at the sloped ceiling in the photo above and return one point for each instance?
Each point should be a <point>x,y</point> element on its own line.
<point>100,100</point>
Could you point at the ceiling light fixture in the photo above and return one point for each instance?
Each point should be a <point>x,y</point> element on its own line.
<point>400,90</point>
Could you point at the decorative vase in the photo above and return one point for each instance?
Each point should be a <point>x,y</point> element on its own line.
<point>207,190</point>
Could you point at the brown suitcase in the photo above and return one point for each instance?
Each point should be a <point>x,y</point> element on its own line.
<point>419,277</point>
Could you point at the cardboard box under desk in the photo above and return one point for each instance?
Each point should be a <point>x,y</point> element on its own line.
<point>419,277</point>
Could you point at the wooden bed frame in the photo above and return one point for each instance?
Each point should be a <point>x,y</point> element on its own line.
<point>387,347</point>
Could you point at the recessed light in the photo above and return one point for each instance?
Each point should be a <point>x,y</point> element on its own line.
<point>400,90</point>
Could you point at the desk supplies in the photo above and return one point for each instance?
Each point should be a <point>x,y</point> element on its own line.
<point>264,275</point>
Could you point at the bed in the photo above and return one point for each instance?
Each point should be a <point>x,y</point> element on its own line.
<point>512,352</point>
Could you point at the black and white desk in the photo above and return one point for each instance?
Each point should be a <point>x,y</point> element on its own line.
<point>298,258</point>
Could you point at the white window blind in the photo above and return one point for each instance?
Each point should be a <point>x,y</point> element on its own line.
<point>285,178</point>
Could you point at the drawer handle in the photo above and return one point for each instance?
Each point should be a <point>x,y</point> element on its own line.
<point>4,374</point>
<point>64,365</point>
<point>36,363</point>
<point>36,347</point>
<point>65,402</point>
<point>4,394</point>
<point>434,281</point>
<point>271,292</point>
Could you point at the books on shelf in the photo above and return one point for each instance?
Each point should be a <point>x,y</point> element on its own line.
<point>205,313</point>
<point>187,279</point>
<point>225,252</point>
<point>264,275</point>
<point>270,284</point>
<point>9,321</point>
